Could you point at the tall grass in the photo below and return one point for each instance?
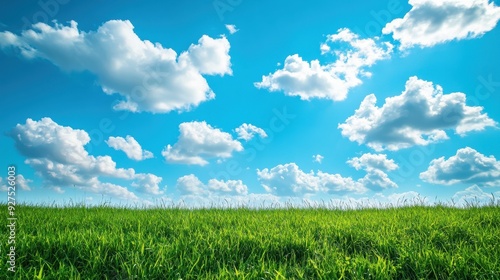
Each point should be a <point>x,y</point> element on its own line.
<point>417,242</point>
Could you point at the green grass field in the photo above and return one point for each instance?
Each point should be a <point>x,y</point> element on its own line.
<point>116,243</point>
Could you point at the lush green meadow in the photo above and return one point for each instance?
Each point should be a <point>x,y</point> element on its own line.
<point>118,243</point>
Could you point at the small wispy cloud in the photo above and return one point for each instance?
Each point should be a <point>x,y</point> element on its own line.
<point>232,28</point>
<point>20,182</point>
<point>318,158</point>
<point>248,131</point>
<point>130,146</point>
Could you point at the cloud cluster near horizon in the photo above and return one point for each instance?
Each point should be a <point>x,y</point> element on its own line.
<point>290,180</point>
<point>152,78</point>
<point>58,155</point>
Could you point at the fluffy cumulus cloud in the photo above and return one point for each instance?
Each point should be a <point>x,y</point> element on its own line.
<point>332,81</point>
<point>230,187</point>
<point>191,185</point>
<point>199,141</point>
<point>248,131</point>
<point>468,166</point>
<point>373,161</point>
<point>337,184</point>
<point>432,22</point>
<point>130,146</point>
<point>148,76</point>
<point>209,57</point>
<point>376,166</point>
<point>419,116</point>
<point>377,180</point>
<point>290,180</point>
<point>58,155</point>
<point>148,183</point>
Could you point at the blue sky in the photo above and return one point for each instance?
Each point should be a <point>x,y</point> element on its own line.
<point>250,102</point>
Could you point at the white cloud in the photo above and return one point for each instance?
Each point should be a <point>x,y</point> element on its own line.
<point>199,141</point>
<point>375,166</point>
<point>230,187</point>
<point>248,131</point>
<point>58,190</point>
<point>432,22</point>
<point>468,166</point>
<point>20,182</point>
<point>191,185</point>
<point>110,189</point>
<point>324,48</point>
<point>232,28</point>
<point>419,116</point>
<point>475,194</point>
<point>336,184</point>
<point>373,161</point>
<point>23,183</point>
<point>377,180</point>
<point>130,146</point>
<point>318,158</point>
<point>3,187</point>
<point>331,81</point>
<point>58,155</point>
<point>148,183</point>
<point>8,39</point>
<point>148,76</point>
<point>290,180</point>
<point>210,56</point>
